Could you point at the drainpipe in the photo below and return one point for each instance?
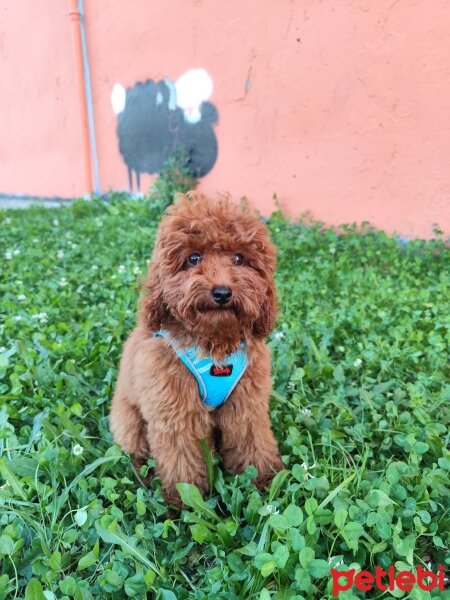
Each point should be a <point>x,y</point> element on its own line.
<point>85,98</point>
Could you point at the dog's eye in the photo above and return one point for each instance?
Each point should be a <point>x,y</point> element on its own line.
<point>238,260</point>
<point>194,259</point>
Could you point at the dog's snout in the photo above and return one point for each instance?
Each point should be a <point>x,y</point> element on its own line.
<point>221,294</point>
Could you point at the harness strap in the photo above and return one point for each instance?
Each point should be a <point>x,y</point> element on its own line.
<point>215,383</point>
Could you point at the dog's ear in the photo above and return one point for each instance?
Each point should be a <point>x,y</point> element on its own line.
<point>268,313</point>
<point>153,312</point>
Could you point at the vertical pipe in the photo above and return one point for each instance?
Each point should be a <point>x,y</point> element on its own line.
<point>89,102</point>
<point>75,18</point>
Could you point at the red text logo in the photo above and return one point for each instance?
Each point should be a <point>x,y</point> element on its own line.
<point>221,371</point>
<point>382,580</point>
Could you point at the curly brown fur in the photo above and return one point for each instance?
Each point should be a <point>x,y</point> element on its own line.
<point>156,409</point>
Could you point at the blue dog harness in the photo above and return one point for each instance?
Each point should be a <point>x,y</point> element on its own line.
<point>215,384</point>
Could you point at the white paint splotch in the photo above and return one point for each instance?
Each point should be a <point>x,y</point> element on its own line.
<point>192,88</point>
<point>118,98</point>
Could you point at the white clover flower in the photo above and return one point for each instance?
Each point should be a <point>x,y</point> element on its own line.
<point>278,230</point>
<point>137,270</point>
<point>17,317</point>
<point>7,221</point>
<point>8,255</point>
<point>332,250</point>
<point>21,297</point>
<point>55,222</point>
<point>60,254</point>
<point>16,252</point>
<point>77,450</point>
<point>279,335</point>
<point>99,222</point>
<point>62,282</point>
<point>341,348</point>
<point>271,509</point>
<point>121,269</point>
<point>306,412</point>
<point>2,349</point>
<point>357,363</point>
<point>94,267</point>
<point>19,282</point>
<point>306,470</point>
<point>35,240</point>
<point>42,317</point>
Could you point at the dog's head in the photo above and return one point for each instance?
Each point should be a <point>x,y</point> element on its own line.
<point>211,274</point>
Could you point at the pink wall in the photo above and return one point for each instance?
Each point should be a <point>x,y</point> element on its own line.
<point>40,142</point>
<point>340,107</point>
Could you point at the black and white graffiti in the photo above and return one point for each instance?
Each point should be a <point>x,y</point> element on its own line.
<point>158,120</point>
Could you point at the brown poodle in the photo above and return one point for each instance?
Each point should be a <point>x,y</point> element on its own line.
<point>210,300</point>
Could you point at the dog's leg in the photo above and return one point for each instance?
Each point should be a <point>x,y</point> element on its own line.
<point>244,421</point>
<point>248,440</point>
<point>178,459</point>
<point>174,434</point>
<point>129,429</point>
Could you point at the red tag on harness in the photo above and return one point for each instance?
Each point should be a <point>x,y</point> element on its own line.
<point>221,371</point>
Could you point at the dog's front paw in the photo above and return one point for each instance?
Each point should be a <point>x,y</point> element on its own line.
<point>172,495</point>
<point>138,462</point>
<point>267,472</point>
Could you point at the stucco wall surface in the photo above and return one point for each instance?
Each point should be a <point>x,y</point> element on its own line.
<point>340,107</point>
<point>39,127</point>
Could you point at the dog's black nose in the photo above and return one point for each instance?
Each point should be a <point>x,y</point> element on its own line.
<point>221,294</point>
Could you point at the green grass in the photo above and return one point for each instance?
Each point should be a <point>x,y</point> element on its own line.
<point>360,409</point>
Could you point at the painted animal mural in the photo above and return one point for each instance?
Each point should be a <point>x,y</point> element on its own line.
<point>158,120</point>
